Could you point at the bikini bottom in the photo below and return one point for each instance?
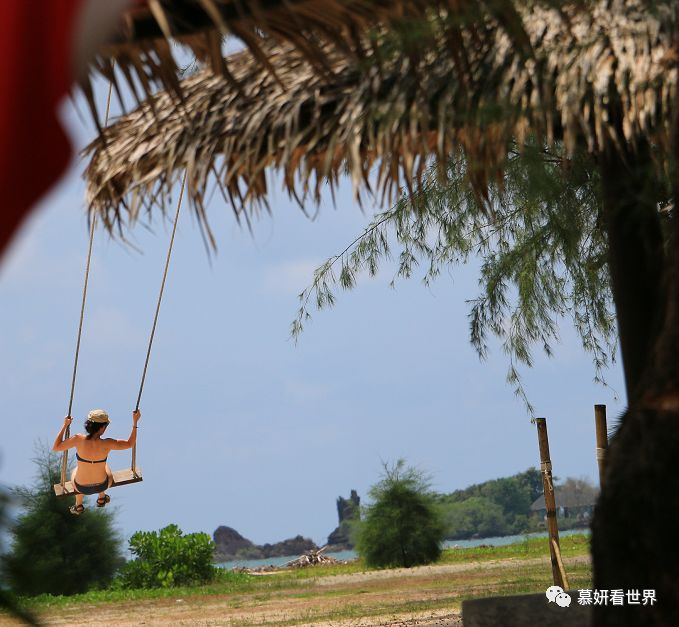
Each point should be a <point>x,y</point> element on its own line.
<point>92,488</point>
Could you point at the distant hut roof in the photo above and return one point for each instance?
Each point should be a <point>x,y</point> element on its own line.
<point>600,77</point>
<point>570,496</point>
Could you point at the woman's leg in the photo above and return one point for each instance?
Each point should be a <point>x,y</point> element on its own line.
<point>103,497</point>
<point>78,496</point>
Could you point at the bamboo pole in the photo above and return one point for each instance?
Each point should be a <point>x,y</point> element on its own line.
<point>550,504</point>
<point>562,570</point>
<point>601,440</point>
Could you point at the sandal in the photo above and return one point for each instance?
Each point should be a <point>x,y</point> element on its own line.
<point>102,502</point>
<point>76,510</point>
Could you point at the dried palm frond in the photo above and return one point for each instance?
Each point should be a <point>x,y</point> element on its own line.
<point>599,77</point>
<point>142,51</point>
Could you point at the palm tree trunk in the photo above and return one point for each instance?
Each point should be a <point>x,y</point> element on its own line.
<point>636,256</point>
<point>634,532</point>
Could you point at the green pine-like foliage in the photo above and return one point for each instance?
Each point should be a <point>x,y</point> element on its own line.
<point>537,233</point>
<point>8,600</point>
<point>52,550</point>
<point>402,527</point>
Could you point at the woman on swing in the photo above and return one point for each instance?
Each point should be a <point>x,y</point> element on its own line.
<point>92,474</point>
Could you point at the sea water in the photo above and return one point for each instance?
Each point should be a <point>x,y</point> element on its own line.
<point>350,555</point>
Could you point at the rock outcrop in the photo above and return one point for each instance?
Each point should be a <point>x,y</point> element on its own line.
<point>290,547</point>
<point>348,510</point>
<point>232,546</point>
<point>230,543</point>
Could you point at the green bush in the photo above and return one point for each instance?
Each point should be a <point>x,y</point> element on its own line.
<point>167,559</point>
<point>403,526</point>
<point>53,551</point>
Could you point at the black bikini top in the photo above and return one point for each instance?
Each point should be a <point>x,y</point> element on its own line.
<point>89,461</point>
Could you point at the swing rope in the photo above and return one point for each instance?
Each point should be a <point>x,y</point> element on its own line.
<point>67,433</point>
<point>155,319</point>
<point>64,463</point>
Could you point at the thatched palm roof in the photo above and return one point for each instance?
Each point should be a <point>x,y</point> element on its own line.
<point>141,49</point>
<point>599,76</point>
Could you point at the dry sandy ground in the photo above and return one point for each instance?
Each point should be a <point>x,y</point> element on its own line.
<point>431,571</point>
<point>213,615</point>
<point>370,594</point>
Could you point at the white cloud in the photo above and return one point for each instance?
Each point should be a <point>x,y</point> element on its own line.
<point>290,277</point>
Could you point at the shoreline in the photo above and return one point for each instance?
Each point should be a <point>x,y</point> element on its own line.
<point>346,556</point>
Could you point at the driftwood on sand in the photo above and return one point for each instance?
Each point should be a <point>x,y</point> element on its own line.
<point>312,558</point>
<point>309,558</point>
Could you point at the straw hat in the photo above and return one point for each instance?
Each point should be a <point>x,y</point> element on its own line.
<point>98,415</point>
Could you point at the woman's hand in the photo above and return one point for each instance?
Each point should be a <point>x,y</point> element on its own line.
<point>60,444</point>
<point>136,415</point>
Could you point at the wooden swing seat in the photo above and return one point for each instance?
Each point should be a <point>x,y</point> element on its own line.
<point>120,477</point>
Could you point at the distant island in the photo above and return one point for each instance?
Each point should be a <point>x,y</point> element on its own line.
<point>499,507</point>
<point>231,545</point>
<point>514,505</point>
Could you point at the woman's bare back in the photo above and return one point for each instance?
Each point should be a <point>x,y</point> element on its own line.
<point>93,450</point>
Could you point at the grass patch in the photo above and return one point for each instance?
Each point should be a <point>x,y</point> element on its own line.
<point>231,581</point>
<point>528,549</point>
<point>226,583</point>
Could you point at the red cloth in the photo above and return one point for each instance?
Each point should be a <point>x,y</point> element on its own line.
<point>35,74</point>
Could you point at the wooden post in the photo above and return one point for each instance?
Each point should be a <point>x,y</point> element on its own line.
<point>550,504</point>
<point>562,570</point>
<point>601,440</point>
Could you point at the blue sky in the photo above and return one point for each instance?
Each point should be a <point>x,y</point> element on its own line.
<point>240,426</point>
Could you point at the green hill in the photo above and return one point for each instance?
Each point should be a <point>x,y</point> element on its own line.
<point>497,507</point>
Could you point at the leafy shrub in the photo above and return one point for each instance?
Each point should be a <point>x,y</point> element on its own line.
<point>403,526</point>
<point>168,558</point>
<point>53,551</point>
